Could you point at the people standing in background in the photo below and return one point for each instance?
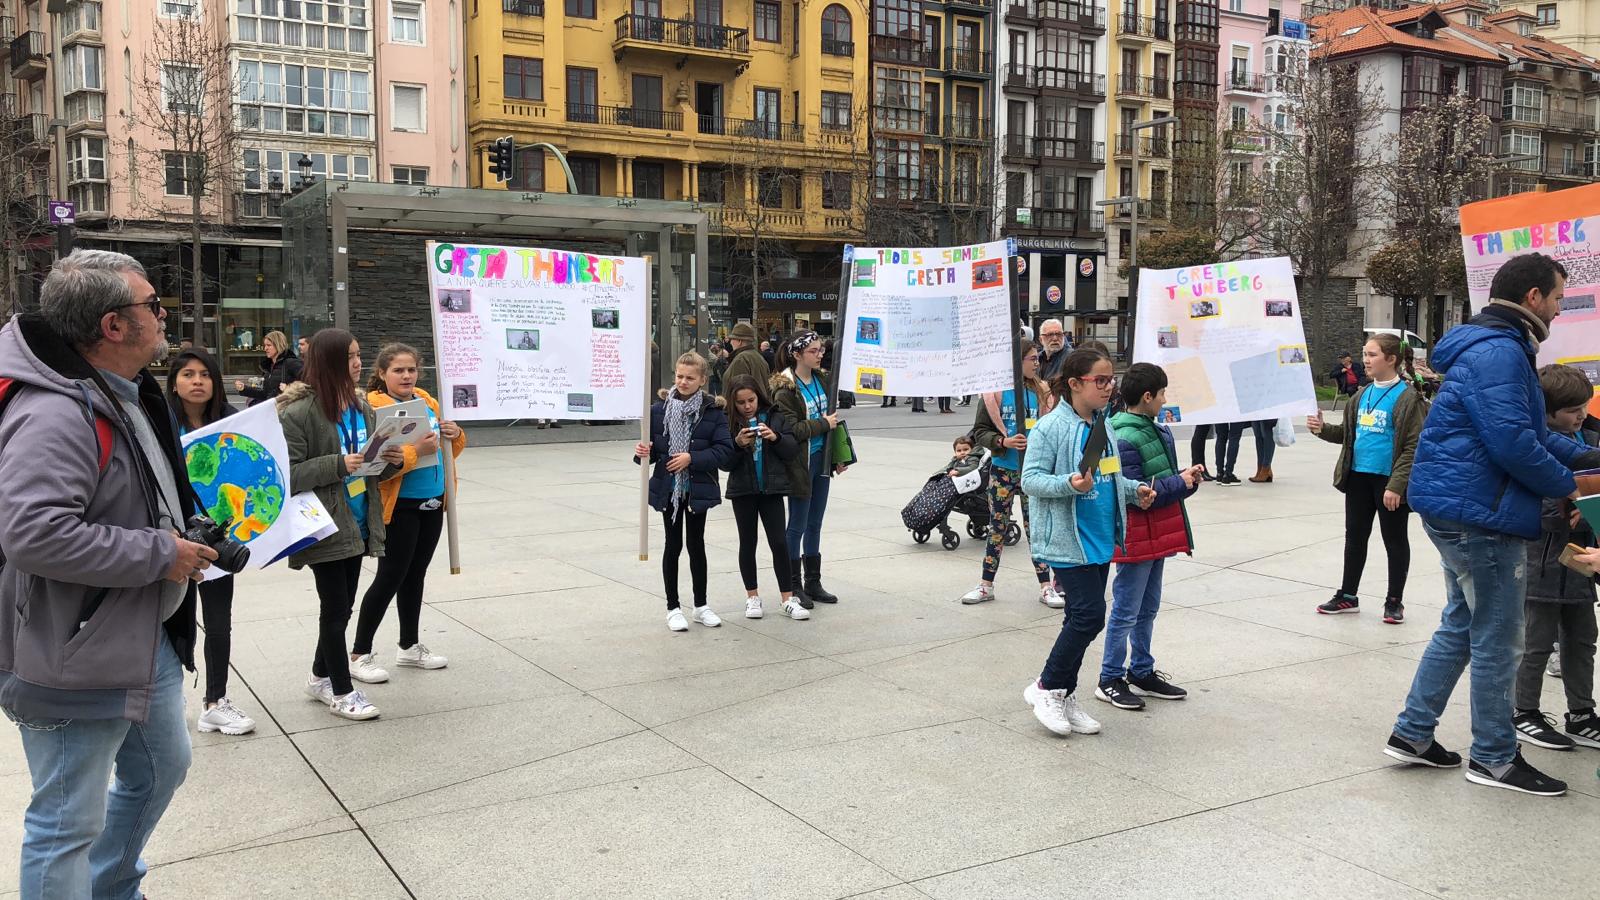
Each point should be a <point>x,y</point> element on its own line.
<point>194,391</point>
<point>1348,375</point>
<point>1197,449</point>
<point>1229,435</point>
<point>1266,446</point>
<point>689,445</point>
<point>1000,429</point>
<point>1054,348</point>
<point>760,472</point>
<point>944,405</point>
<point>279,368</point>
<point>326,422</point>
<point>745,359</point>
<point>799,390</point>
<point>413,515</point>
<point>1378,442</point>
<point>917,404</point>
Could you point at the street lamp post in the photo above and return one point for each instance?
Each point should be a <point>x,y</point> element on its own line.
<point>1133,212</point>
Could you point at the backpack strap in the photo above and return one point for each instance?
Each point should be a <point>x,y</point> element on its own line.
<point>105,437</point>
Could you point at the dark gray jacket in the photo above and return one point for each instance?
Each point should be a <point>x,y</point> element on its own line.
<point>80,593</point>
<point>316,464</point>
<point>775,462</point>
<point>1548,580</point>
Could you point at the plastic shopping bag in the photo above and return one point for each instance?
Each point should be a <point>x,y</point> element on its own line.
<point>1283,432</point>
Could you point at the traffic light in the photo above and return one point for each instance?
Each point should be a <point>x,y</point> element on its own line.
<point>502,159</point>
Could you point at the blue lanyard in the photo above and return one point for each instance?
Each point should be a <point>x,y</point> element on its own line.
<point>817,398</point>
<point>352,443</point>
<point>1367,407</point>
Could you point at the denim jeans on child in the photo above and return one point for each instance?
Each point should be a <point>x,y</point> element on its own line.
<point>805,516</point>
<point>1084,617</point>
<point>1135,600</point>
<point>1485,575</point>
<point>79,839</point>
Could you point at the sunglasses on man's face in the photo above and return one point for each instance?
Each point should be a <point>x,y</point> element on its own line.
<point>153,305</point>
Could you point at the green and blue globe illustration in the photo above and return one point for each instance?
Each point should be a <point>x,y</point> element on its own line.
<point>239,483</point>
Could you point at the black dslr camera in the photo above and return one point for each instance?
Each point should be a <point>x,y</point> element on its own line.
<point>231,555</point>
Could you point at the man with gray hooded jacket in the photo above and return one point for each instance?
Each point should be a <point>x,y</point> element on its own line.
<point>96,624</point>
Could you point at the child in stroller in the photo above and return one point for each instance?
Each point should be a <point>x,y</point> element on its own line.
<point>960,486</point>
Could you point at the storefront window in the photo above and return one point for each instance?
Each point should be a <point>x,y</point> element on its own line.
<point>252,306</point>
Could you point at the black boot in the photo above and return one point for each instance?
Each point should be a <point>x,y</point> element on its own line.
<point>797,585</point>
<point>814,588</point>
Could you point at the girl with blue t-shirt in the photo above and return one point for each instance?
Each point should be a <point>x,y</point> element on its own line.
<point>1080,520</point>
<point>413,514</point>
<point>1378,434</point>
<point>997,430</point>
<point>799,390</point>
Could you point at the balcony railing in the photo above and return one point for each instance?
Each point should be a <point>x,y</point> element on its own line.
<point>659,119</point>
<point>1046,214</point>
<point>1084,15</point>
<point>975,62</point>
<point>966,128</point>
<point>1149,147</point>
<point>1019,76</point>
<point>1020,145</point>
<point>1571,121</point>
<point>684,33</point>
<point>1574,169</point>
<point>523,7</point>
<point>1068,80</point>
<point>836,47</point>
<point>975,4</point>
<point>1049,147</point>
<point>28,48</point>
<point>8,28</point>
<point>258,206</point>
<point>760,129</point>
<point>901,51</point>
<point>34,129</point>
<point>1189,90</point>
<point>1247,82</point>
<point>1141,26</point>
<point>1129,85</point>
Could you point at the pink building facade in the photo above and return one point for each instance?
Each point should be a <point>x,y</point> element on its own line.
<point>420,71</point>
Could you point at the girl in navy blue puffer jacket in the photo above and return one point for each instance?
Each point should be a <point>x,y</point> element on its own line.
<point>689,444</point>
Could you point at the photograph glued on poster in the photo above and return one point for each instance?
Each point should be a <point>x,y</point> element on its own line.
<point>529,333</point>
<point>930,321</point>
<point>1230,339</point>
<point>1559,224</point>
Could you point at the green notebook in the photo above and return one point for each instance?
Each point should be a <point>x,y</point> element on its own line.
<point>1590,507</point>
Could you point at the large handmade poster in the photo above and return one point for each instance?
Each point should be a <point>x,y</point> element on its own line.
<point>531,333</point>
<point>933,321</point>
<point>1564,225</point>
<point>1230,338</point>
<point>239,467</point>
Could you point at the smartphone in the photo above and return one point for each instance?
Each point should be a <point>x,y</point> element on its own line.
<point>1569,559</point>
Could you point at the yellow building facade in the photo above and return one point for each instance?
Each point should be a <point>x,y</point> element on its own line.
<point>1140,75</point>
<point>756,110</point>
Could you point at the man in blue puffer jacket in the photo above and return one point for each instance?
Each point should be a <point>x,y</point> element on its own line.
<point>1484,462</point>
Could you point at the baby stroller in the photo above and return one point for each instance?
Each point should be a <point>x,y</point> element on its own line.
<point>930,509</point>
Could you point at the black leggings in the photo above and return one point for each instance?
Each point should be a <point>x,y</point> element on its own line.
<point>1363,496</point>
<point>216,610</point>
<point>413,535</point>
<point>696,526</point>
<point>336,588</point>
<point>768,508</point>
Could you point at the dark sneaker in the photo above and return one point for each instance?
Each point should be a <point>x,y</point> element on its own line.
<point>1117,694</point>
<point>1341,603</point>
<point>1436,756</point>
<point>1394,612</point>
<point>1156,685</point>
<point>1536,728</point>
<point>1520,777</point>
<point>1583,727</point>
<point>1228,480</point>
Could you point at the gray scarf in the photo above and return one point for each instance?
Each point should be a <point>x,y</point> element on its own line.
<point>681,416</point>
<point>1538,331</point>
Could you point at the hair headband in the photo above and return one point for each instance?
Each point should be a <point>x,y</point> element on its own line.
<point>803,340</point>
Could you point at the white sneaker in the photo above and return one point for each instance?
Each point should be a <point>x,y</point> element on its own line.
<point>676,621</point>
<point>1081,722</point>
<point>223,716</point>
<point>706,617</point>
<point>1049,707</point>
<point>418,656</point>
<point>353,705</point>
<point>1553,668</point>
<point>983,593</point>
<point>1049,596</point>
<point>363,668</point>
<point>320,690</point>
<point>752,608</point>
<point>794,610</point>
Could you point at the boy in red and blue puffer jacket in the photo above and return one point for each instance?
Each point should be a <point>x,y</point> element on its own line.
<point>1150,455</point>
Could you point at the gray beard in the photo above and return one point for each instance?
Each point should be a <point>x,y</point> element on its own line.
<point>162,351</point>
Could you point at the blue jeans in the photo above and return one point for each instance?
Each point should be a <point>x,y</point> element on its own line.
<point>1135,599</point>
<point>805,516</point>
<point>1085,615</point>
<point>1265,444</point>
<point>1485,576</point>
<point>1228,435</point>
<point>80,840</point>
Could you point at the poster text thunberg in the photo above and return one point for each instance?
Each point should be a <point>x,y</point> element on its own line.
<point>933,321</point>
<point>529,333</point>
<point>1230,339</point>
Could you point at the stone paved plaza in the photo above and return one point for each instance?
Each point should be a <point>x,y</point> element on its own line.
<point>576,748</point>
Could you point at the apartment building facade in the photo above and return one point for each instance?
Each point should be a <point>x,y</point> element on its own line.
<point>1139,164</point>
<point>756,111</point>
<point>1264,46</point>
<point>1572,23</point>
<point>1052,152</point>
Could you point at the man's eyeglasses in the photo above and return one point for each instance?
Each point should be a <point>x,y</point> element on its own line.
<point>153,305</point>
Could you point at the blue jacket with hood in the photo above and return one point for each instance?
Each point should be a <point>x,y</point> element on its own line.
<point>1486,457</point>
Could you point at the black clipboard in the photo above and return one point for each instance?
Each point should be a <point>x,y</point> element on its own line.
<point>1094,449</point>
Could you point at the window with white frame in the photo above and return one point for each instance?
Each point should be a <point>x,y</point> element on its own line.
<point>405,22</point>
<point>1515,142</point>
<point>180,9</point>
<point>86,159</point>
<point>409,101</point>
<point>182,89</point>
<point>1240,117</point>
<point>297,99</point>
<point>410,175</point>
<point>1524,103</point>
<point>81,16</point>
<point>183,174</point>
<point>84,67</point>
<point>279,170</point>
<point>1547,14</point>
<point>340,25</point>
